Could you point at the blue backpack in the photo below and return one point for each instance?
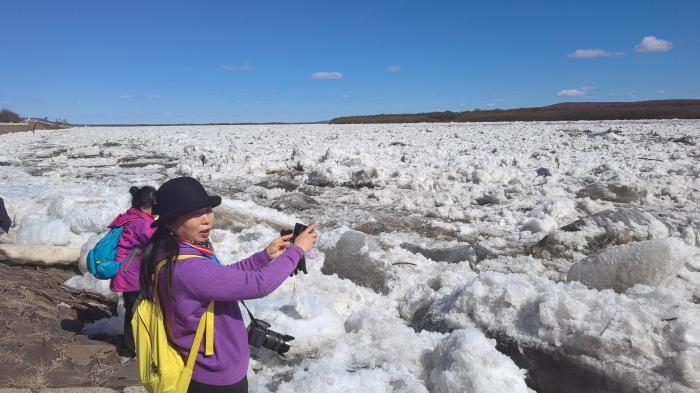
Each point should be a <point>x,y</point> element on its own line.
<point>101,259</point>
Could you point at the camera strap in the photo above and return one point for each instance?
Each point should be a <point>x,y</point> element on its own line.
<point>250,314</point>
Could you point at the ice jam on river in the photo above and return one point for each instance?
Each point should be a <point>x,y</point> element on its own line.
<point>482,257</point>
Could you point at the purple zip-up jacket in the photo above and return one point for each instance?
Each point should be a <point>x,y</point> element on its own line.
<point>137,231</point>
<point>197,281</point>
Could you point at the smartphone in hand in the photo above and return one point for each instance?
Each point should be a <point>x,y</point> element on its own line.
<point>298,229</point>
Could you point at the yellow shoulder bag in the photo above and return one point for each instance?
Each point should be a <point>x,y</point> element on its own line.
<point>161,368</point>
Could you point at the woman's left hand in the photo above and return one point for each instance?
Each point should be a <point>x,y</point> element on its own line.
<point>277,247</point>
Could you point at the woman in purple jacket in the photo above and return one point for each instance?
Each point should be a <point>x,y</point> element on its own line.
<point>186,287</point>
<point>137,230</point>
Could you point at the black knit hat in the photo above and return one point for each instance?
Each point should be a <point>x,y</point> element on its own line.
<point>180,196</point>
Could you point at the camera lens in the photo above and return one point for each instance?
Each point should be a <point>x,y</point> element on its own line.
<point>275,342</point>
<point>259,335</point>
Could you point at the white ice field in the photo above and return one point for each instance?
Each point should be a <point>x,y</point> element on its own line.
<point>453,257</point>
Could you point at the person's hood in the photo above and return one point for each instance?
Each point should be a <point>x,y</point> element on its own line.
<point>130,215</point>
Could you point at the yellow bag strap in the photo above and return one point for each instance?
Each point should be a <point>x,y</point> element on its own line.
<point>209,316</point>
<point>203,321</point>
<point>162,263</point>
<point>206,322</point>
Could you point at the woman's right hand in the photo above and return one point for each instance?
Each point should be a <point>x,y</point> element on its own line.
<point>307,239</point>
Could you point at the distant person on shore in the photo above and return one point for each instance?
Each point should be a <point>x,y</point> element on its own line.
<point>5,221</point>
<point>191,277</point>
<point>137,231</point>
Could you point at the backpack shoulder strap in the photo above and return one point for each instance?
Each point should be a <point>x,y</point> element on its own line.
<point>205,325</point>
<point>125,222</point>
<point>121,227</point>
<point>162,263</point>
<point>129,258</point>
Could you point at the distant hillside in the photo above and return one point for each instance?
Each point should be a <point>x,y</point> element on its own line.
<point>661,109</point>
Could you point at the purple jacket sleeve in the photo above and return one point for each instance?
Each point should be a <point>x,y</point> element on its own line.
<point>209,281</point>
<point>253,262</point>
<point>143,231</point>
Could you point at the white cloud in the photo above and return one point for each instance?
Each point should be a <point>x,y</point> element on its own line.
<point>571,93</point>
<point>243,68</point>
<point>327,75</point>
<point>651,44</point>
<point>153,96</point>
<point>661,91</point>
<point>344,97</point>
<point>396,68</point>
<point>592,53</point>
<point>582,91</point>
<point>125,97</point>
<point>494,102</point>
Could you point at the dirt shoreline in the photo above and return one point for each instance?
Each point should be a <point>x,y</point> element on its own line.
<point>6,128</point>
<point>40,340</point>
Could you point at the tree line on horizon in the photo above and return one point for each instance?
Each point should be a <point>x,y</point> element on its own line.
<point>661,109</point>
<point>8,116</point>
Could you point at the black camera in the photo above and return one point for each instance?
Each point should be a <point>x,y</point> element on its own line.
<point>298,229</point>
<point>260,335</point>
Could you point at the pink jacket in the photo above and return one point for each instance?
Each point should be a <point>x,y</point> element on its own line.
<point>137,231</point>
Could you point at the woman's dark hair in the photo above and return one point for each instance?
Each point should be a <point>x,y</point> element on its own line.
<point>162,245</point>
<point>142,198</point>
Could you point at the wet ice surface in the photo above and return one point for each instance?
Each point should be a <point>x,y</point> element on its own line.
<point>435,237</point>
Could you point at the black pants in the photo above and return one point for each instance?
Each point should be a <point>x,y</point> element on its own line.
<point>128,341</point>
<point>238,387</point>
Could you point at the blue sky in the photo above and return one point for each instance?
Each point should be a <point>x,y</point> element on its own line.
<point>232,61</point>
